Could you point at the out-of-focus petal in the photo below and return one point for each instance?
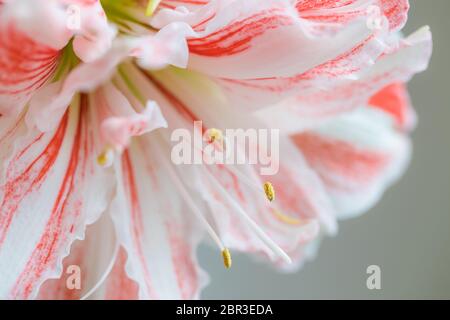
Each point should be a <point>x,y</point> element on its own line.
<point>357,156</point>
<point>394,100</point>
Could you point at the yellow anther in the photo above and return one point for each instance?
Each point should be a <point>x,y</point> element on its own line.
<point>269,191</point>
<point>151,7</point>
<point>105,158</point>
<point>286,219</point>
<point>226,258</point>
<point>215,135</point>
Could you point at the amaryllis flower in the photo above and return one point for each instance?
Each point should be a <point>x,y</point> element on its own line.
<point>91,92</point>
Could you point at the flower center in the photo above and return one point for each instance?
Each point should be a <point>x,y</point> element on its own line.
<point>130,15</point>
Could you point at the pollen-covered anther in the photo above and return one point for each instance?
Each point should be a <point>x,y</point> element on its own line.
<point>269,191</point>
<point>106,157</point>
<point>151,7</point>
<point>226,258</point>
<point>215,135</point>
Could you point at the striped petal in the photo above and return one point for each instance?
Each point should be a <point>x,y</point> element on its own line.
<point>395,11</point>
<point>50,190</point>
<point>235,39</point>
<point>229,38</point>
<point>237,42</point>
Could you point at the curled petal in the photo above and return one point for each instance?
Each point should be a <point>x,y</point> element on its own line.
<point>94,36</point>
<point>117,131</point>
<point>167,47</point>
<point>119,121</point>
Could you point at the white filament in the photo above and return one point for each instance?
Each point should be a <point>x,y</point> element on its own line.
<point>190,202</point>
<point>261,234</point>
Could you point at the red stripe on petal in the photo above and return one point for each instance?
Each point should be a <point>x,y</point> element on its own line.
<point>136,217</point>
<point>18,187</point>
<point>237,37</point>
<point>56,231</point>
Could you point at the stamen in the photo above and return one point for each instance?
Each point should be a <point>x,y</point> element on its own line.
<point>215,135</point>
<point>106,158</point>
<point>151,7</point>
<point>269,191</point>
<point>226,258</point>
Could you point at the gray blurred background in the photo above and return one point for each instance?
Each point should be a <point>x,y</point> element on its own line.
<point>406,234</point>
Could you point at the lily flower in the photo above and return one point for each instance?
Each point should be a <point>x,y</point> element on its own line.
<point>92,90</point>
